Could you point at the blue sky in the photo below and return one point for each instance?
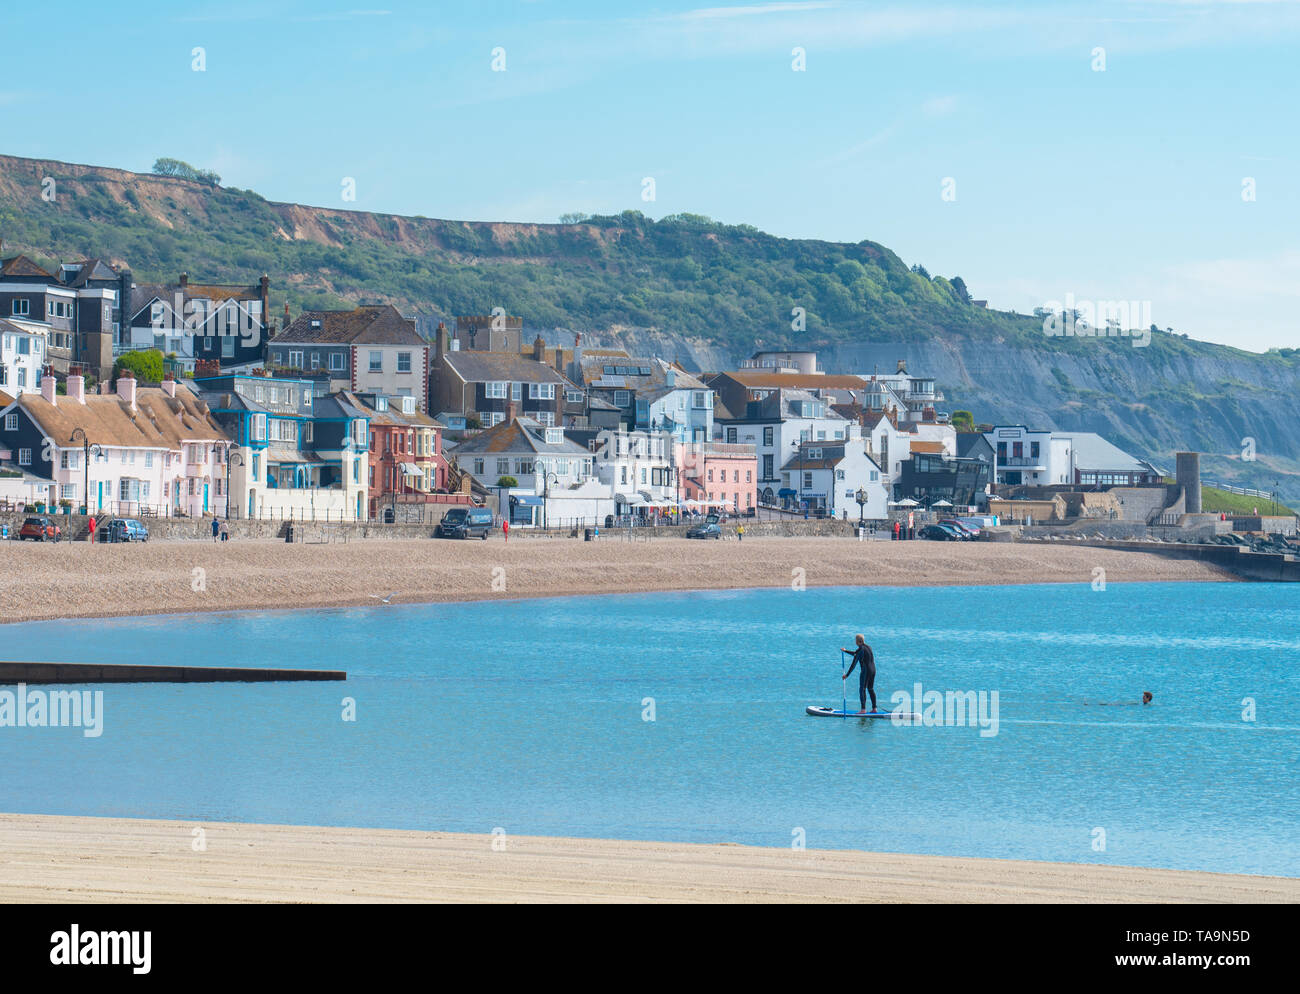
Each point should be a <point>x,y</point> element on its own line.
<point>1117,184</point>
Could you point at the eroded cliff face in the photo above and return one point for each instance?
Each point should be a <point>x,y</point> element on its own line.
<point>1150,401</point>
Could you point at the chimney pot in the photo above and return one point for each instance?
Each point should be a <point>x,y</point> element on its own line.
<point>185,279</point>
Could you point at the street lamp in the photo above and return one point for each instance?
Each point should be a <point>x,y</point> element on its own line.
<point>861,498</point>
<point>547,476</point>
<point>232,454</point>
<point>86,448</point>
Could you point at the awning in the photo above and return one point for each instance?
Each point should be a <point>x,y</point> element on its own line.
<point>410,469</point>
<point>525,500</point>
<point>787,492</point>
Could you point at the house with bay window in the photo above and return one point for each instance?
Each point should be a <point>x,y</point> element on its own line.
<point>22,358</point>
<point>297,455</point>
<point>827,476</point>
<point>407,470</point>
<point>651,395</point>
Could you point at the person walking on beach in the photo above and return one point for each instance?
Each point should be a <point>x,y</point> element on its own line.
<point>91,524</point>
<point>740,533</point>
<point>225,532</point>
<point>216,527</point>
<point>865,661</point>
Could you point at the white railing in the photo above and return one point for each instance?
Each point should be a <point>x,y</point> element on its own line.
<point>1243,491</point>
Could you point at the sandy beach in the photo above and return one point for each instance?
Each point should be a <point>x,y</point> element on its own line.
<point>57,859</point>
<point>71,580</point>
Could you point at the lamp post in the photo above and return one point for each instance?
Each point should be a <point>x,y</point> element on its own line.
<point>861,498</point>
<point>547,477</point>
<point>232,454</point>
<point>86,448</point>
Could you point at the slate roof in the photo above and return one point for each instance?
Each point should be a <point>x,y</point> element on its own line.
<point>483,367</point>
<point>21,267</point>
<point>520,435</point>
<point>368,324</point>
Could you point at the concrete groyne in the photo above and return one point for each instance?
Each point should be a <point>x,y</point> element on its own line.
<point>12,672</point>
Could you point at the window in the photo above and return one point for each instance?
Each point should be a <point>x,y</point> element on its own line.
<point>11,422</point>
<point>807,481</point>
<point>258,428</point>
<point>22,377</point>
<point>710,480</point>
<point>731,436</point>
<point>148,459</point>
<point>315,360</point>
<point>503,467</point>
<point>839,474</point>
<point>295,359</point>
<point>700,399</point>
<point>545,417</point>
<point>749,476</point>
<point>573,396</point>
<point>376,362</point>
<point>336,362</point>
<point>516,391</point>
<point>24,457</point>
<point>403,362</point>
<point>767,436</point>
<point>68,491</point>
<point>621,398</point>
<point>307,431</point>
<point>494,390</point>
<point>227,346</point>
<point>541,391</point>
<point>22,306</point>
<point>478,467</point>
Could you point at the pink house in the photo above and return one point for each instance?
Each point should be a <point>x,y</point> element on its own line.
<point>718,473</point>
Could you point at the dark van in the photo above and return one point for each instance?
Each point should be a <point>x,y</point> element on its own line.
<point>465,522</point>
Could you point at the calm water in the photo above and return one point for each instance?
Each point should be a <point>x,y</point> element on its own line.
<point>528,715</point>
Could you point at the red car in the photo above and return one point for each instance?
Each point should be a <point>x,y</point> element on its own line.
<point>40,530</point>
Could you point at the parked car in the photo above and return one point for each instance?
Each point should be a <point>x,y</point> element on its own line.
<point>966,530</point>
<point>939,533</point>
<point>974,524</point>
<point>123,530</point>
<point>710,529</point>
<point>465,522</point>
<point>40,530</point>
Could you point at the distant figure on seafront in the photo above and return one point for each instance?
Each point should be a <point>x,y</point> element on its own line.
<point>216,527</point>
<point>505,529</point>
<point>225,532</point>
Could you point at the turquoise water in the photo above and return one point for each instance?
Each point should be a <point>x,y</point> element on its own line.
<point>528,715</point>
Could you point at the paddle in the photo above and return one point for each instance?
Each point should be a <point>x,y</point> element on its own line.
<point>844,690</point>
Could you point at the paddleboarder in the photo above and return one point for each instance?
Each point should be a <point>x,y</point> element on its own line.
<point>865,661</point>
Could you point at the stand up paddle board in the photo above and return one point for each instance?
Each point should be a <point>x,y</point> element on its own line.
<point>821,712</point>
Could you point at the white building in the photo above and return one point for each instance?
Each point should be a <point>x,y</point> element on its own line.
<point>22,357</point>
<point>776,425</point>
<point>828,476</point>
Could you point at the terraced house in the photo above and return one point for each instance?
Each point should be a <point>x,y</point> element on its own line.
<point>142,451</point>
<point>296,455</point>
<point>407,471</point>
<point>369,349</point>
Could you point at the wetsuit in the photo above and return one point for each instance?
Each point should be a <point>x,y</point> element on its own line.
<point>866,663</point>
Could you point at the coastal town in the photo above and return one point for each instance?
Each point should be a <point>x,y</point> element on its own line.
<point>352,416</point>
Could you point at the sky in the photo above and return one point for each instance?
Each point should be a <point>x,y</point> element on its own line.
<point>1142,150</point>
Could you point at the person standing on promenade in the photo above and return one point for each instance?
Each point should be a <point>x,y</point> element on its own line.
<point>505,529</point>
<point>225,532</point>
<point>91,525</point>
<point>216,527</point>
<point>865,660</point>
<point>740,533</point>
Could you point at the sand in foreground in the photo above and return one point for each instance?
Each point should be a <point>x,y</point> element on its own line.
<point>74,579</point>
<point>60,859</point>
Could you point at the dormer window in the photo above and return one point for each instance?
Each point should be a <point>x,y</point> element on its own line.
<point>554,436</point>
<point>408,405</point>
<point>381,404</point>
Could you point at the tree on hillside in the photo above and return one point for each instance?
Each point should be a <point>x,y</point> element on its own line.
<point>146,364</point>
<point>920,270</point>
<point>577,217</point>
<point>183,170</point>
<point>963,421</point>
<point>959,285</point>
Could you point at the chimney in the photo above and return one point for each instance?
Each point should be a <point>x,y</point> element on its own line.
<point>47,390</point>
<point>185,279</point>
<point>512,412</point>
<point>902,365</point>
<point>539,349</point>
<point>77,389</point>
<point>126,388</point>
<point>286,313</point>
<point>559,360</point>
<point>169,387</point>
<point>670,377</point>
